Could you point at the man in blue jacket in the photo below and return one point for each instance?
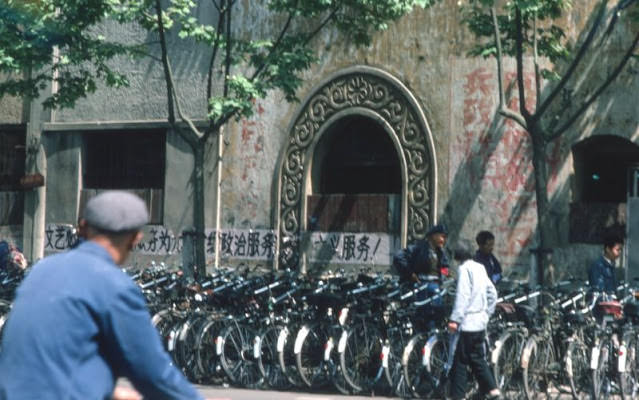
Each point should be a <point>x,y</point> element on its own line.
<point>78,322</point>
<point>601,275</point>
<point>484,255</point>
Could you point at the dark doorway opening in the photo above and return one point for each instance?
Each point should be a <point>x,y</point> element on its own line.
<point>356,179</point>
<point>360,158</point>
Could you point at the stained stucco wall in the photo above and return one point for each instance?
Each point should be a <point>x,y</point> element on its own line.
<point>483,161</point>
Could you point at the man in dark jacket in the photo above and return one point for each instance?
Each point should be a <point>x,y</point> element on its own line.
<point>424,260</point>
<point>484,255</point>
<point>78,322</point>
<point>425,263</point>
<point>601,274</point>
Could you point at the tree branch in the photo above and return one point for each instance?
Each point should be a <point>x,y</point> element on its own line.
<point>216,46</point>
<point>321,26</point>
<point>277,43</point>
<point>536,63</point>
<point>229,45</point>
<point>613,75</point>
<point>172,96</point>
<point>503,108</point>
<point>519,40</point>
<point>571,69</point>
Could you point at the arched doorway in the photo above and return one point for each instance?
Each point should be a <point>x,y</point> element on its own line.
<point>356,179</point>
<point>361,95</point>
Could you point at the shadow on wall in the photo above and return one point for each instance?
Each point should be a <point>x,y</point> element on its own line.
<point>493,185</point>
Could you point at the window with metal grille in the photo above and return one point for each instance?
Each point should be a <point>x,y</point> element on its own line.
<point>12,158</point>
<point>132,160</point>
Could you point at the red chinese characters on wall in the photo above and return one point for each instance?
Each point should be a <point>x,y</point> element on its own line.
<point>495,154</point>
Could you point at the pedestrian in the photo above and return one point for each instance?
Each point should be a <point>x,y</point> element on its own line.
<point>475,300</point>
<point>11,258</point>
<point>425,263</point>
<point>424,260</point>
<point>79,323</point>
<point>484,255</point>
<point>601,275</point>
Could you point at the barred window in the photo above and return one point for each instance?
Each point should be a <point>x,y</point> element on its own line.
<point>12,159</point>
<point>132,160</point>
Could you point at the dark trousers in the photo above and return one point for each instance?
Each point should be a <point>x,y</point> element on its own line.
<point>470,352</point>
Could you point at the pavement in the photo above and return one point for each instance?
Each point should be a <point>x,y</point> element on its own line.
<point>225,392</point>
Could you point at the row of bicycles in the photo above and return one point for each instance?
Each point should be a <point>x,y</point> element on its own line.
<point>10,279</point>
<point>371,334</point>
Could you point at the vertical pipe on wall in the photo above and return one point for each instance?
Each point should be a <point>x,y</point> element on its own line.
<point>35,162</point>
<point>218,195</point>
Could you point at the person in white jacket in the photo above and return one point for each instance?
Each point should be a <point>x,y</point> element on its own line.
<point>475,301</point>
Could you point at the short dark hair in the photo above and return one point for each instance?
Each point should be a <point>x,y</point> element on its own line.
<point>484,236</point>
<point>462,251</point>
<point>611,239</point>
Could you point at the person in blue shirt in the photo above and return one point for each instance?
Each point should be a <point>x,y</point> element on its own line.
<point>484,255</point>
<point>78,323</point>
<point>601,275</point>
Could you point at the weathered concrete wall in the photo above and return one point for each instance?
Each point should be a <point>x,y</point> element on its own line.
<point>64,163</point>
<point>483,161</point>
<point>11,109</point>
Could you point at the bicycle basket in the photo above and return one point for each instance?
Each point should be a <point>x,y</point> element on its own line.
<point>612,308</point>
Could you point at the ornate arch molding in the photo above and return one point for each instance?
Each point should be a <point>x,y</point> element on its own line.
<point>358,90</point>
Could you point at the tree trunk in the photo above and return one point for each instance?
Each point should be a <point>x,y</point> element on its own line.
<point>198,208</point>
<point>543,205</point>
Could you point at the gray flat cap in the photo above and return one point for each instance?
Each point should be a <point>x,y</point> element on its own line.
<point>116,211</point>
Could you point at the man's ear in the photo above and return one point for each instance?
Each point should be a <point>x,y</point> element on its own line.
<point>137,237</point>
<point>82,228</point>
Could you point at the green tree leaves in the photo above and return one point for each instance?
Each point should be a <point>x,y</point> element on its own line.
<point>51,40</point>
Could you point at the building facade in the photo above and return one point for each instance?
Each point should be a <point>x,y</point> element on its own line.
<point>385,141</point>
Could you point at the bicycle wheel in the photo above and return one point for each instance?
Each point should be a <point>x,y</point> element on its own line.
<point>5,307</point>
<point>393,368</point>
<point>286,355</point>
<point>360,356</point>
<point>605,376</point>
<point>539,368</point>
<point>505,359</point>
<point>309,356</point>
<point>419,380</point>
<point>168,324</point>
<point>268,362</point>
<point>438,361</point>
<point>578,369</point>
<point>185,347</point>
<point>206,357</point>
<point>337,376</point>
<point>628,366</point>
<point>238,358</point>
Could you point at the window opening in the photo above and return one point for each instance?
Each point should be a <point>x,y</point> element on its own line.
<point>601,164</point>
<point>360,158</point>
<point>131,160</point>
<point>12,159</point>
<point>356,179</point>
